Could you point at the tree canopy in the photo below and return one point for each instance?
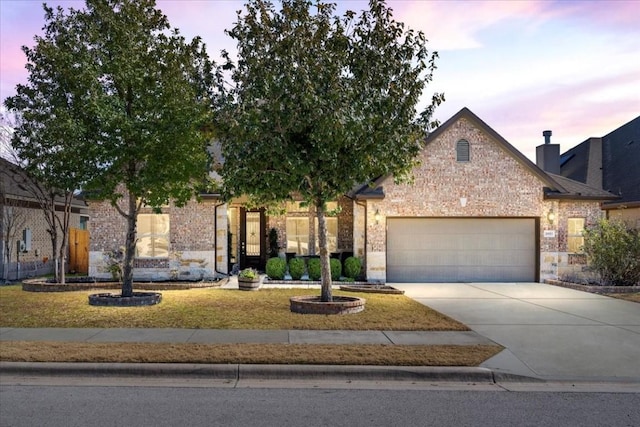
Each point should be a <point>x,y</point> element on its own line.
<point>121,101</point>
<point>321,103</point>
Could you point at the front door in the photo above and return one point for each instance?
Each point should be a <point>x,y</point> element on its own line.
<point>253,239</point>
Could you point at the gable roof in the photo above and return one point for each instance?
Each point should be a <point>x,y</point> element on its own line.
<point>556,186</point>
<point>615,156</point>
<point>14,183</point>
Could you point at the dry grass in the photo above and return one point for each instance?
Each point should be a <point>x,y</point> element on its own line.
<point>214,309</point>
<point>634,297</point>
<point>440,355</point>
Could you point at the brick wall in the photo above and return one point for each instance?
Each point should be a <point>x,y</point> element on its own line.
<point>192,241</point>
<point>493,184</point>
<point>39,260</point>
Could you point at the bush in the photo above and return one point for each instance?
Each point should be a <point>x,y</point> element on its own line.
<point>315,271</point>
<point>276,268</point>
<point>248,273</point>
<point>613,251</point>
<point>352,267</point>
<point>336,268</point>
<point>296,268</point>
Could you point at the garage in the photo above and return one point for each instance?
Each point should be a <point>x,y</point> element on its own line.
<point>461,250</point>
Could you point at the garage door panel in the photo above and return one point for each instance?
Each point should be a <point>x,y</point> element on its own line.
<point>461,249</point>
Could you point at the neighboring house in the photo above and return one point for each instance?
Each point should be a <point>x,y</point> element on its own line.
<point>611,163</point>
<point>476,210</point>
<point>23,228</point>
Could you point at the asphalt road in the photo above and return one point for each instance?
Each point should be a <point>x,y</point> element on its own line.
<point>120,402</point>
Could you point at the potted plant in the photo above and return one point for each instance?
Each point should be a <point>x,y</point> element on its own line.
<point>248,280</point>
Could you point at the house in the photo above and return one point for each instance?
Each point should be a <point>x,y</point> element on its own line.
<point>476,210</point>
<point>611,163</point>
<point>25,243</point>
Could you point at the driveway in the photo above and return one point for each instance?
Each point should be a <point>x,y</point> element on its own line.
<point>549,332</point>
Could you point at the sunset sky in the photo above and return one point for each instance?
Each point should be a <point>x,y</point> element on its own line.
<point>521,66</point>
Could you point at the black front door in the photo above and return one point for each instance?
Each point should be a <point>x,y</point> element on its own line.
<point>253,239</point>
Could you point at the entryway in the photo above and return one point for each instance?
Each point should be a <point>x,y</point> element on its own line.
<point>253,245</point>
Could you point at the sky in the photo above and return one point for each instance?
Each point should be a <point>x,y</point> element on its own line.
<point>522,66</point>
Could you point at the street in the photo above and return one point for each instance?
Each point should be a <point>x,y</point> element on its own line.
<point>83,402</point>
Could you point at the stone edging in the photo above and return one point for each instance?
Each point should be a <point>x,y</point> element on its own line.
<point>40,285</point>
<point>372,289</point>
<point>339,305</point>
<point>594,289</point>
<point>268,281</point>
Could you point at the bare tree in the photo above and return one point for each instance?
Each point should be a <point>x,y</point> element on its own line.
<point>12,220</point>
<point>47,198</point>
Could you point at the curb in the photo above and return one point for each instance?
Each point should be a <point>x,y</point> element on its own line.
<point>239,372</point>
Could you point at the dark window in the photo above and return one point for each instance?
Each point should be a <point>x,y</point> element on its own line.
<point>462,151</point>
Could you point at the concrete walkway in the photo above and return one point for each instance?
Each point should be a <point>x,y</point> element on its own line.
<point>238,336</point>
<point>549,332</point>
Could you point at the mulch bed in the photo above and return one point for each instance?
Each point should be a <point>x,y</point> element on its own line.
<point>594,289</point>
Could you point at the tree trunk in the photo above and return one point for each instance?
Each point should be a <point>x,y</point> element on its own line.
<point>64,245</point>
<point>325,295</point>
<point>130,247</point>
<point>55,254</point>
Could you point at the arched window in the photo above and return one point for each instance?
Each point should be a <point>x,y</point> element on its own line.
<point>462,151</point>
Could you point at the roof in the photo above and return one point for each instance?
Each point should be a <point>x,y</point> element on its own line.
<point>618,161</point>
<point>556,186</point>
<point>11,179</point>
<point>577,190</point>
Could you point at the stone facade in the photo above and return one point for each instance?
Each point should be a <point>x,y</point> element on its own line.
<point>493,183</point>
<point>192,241</point>
<point>496,182</point>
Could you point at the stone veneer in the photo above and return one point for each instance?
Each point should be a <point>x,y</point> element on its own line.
<point>494,184</point>
<point>192,238</point>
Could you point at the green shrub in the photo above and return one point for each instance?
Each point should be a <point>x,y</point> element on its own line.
<point>296,268</point>
<point>336,268</point>
<point>276,268</point>
<point>248,273</point>
<point>315,271</point>
<point>613,251</point>
<point>352,267</point>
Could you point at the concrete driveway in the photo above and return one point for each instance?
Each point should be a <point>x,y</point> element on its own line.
<point>549,332</point>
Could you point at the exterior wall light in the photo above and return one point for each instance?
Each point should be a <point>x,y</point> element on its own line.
<point>551,216</point>
<point>377,216</point>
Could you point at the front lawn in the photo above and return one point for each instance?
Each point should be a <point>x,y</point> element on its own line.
<point>214,308</point>
<point>228,309</point>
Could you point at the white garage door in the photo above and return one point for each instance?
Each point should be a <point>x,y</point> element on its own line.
<point>461,250</point>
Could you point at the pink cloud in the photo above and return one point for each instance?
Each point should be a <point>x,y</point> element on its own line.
<point>456,24</point>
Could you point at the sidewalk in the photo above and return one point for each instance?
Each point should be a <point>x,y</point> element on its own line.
<point>241,336</point>
<point>237,372</point>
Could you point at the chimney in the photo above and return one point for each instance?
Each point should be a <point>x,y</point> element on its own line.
<point>548,155</point>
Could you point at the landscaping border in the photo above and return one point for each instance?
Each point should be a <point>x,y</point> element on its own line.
<point>41,285</point>
<point>594,289</point>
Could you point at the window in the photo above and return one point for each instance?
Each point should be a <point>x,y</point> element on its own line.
<point>332,235</point>
<point>296,207</point>
<point>462,151</point>
<point>153,236</point>
<point>298,235</point>
<point>575,240</point>
<point>84,222</point>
